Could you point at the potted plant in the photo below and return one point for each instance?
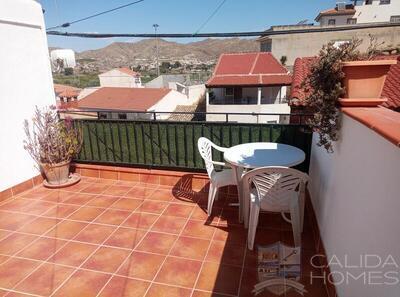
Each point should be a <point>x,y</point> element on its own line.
<point>52,143</point>
<point>363,82</point>
<point>340,77</point>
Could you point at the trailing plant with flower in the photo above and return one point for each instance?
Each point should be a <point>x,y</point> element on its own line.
<point>324,86</point>
<point>50,140</point>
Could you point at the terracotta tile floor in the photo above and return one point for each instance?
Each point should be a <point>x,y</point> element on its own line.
<point>109,238</point>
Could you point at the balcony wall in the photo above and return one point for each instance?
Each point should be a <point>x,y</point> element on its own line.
<point>25,81</point>
<point>355,194</point>
<point>263,108</point>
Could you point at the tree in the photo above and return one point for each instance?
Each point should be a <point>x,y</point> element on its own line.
<point>69,71</point>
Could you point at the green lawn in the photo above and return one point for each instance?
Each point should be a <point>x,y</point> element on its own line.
<point>77,80</point>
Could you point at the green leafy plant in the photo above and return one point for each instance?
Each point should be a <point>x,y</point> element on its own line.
<point>323,87</point>
<point>50,140</point>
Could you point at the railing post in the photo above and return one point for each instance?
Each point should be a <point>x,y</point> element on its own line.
<point>154,116</point>
<point>227,117</point>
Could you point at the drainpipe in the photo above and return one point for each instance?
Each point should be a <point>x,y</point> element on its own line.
<point>259,96</point>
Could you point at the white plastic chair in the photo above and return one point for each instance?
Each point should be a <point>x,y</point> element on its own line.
<point>218,179</point>
<point>276,189</point>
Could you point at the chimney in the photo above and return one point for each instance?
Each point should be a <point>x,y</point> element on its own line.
<point>340,5</point>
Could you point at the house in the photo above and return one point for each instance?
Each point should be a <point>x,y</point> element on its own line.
<point>248,83</point>
<point>360,12</point>
<point>307,39</point>
<point>121,78</point>
<point>297,101</point>
<point>182,83</point>
<point>66,94</point>
<point>131,103</point>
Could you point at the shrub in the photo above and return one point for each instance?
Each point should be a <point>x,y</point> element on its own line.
<point>324,87</point>
<point>50,140</point>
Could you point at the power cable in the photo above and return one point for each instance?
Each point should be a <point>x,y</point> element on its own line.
<point>65,25</point>
<point>211,16</point>
<point>269,32</point>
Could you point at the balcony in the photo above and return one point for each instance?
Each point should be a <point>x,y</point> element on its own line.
<point>148,236</point>
<point>135,225</point>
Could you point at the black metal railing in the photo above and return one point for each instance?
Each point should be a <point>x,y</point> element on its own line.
<point>106,114</point>
<point>173,144</point>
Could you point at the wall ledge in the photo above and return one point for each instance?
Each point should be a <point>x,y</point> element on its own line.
<point>383,121</point>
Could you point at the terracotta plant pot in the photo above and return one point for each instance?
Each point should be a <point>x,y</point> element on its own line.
<point>57,174</point>
<point>364,82</point>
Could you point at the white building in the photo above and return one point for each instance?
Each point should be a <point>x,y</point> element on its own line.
<point>248,83</point>
<point>360,12</point>
<point>132,103</point>
<point>67,56</point>
<point>181,83</point>
<point>120,78</point>
<point>25,81</point>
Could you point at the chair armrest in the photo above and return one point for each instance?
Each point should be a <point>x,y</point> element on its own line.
<point>219,148</point>
<point>219,163</point>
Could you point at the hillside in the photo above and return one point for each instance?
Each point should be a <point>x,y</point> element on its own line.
<point>143,52</point>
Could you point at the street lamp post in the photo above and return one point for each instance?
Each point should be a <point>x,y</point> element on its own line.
<point>155,33</point>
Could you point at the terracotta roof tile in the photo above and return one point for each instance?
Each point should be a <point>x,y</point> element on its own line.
<point>128,71</point>
<point>138,99</point>
<point>255,69</point>
<point>384,121</point>
<point>301,69</point>
<point>391,89</point>
<point>66,91</point>
<point>334,11</point>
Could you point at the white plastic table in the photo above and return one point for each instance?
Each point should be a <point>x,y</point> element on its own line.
<point>260,154</point>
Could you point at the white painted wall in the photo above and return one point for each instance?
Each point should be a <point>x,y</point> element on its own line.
<point>169,103</point>
<point>339,20</point>
<point>119,79</point>
<point>25,81</point>
<point>196,92</point>
<point>356,196</point>
<point>264,108</point>
<point>372,13</point>
<point>376,12</point>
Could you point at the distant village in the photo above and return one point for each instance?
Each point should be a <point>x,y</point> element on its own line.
<point>261,87</point>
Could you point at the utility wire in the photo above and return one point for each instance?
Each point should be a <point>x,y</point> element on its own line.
<point>65,25</point>
<point>211,16</point>
<point>269,32</point>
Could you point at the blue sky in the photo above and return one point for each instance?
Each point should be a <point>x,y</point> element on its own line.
<point>173,16</point>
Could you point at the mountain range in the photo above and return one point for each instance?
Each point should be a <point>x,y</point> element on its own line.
<point>143,52</point>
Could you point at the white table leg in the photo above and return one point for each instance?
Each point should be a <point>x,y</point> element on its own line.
<point>238,171</point>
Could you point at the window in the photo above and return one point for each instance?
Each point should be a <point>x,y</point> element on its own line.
<point>368,2</point>
<point>229,92</point>
<point>383,2</point>
<point>331,22</point>
<point>266,46</point>
<point>122,116</point>
<point>351,21</point>
<point>395,19</point>
<point>102,115</point>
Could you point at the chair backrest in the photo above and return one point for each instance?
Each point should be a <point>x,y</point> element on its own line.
<point>276,185</point>
<point>205,149</point>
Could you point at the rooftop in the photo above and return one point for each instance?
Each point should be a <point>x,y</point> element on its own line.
<point>249,69</point>
<point>140,99</point>
<point>65,91</point>
<point>348,10</point>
